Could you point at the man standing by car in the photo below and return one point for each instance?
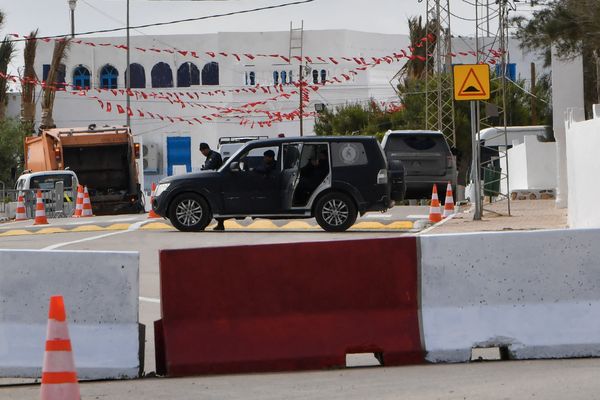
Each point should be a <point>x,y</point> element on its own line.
<point>213,162</point>
<point>213,159</point>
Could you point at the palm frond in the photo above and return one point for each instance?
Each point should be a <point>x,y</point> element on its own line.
<point>28,85</point>
<point>59,55</point>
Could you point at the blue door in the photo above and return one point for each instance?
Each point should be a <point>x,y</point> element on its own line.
<point>179,153</point>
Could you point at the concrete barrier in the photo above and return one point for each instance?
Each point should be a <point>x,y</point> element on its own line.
<point>536,293</point>
<point>101,296</point>
<point>287,306</point>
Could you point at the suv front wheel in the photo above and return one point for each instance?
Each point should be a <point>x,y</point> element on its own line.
<point>335,212</point>
<point>189,212</point>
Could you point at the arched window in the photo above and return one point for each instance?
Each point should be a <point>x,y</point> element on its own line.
<point>60,79</point>
<point>323,76</point>
<point>187,75</point>
<point>251,78</point>
<point>81,78</point>
<point>275,78</point>
<point>284,77</point>
<point>315,74</point>
<point>138,76</point>
<point>210,74</point>
<point>162,76</point>
<point>108,77</point>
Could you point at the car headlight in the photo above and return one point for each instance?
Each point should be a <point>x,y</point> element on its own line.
<point>161,188</point>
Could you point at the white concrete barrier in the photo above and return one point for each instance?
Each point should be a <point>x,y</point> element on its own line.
<point>101,297</point>
<point>537,293</point>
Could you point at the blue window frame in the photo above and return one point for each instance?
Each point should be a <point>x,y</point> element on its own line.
<point>61,75</point>
<point>251,78</point>
<point>108,77</point>
<point>81,78</point>
<point>284,77</point>
<point>323,76</point>
<point>315,75</point>
<point>275,77</point>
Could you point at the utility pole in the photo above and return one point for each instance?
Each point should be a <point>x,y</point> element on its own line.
<point>301,108</point>
<point>534,118</point>
<point>72,5</point>
<point>128,74</point>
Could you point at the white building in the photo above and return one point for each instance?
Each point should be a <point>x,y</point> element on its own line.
<point>189,89</point>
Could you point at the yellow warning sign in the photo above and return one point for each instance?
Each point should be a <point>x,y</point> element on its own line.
<point>472,82</point>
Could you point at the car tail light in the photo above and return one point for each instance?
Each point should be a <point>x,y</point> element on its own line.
<point>382,177</point>
<point>136,150</point>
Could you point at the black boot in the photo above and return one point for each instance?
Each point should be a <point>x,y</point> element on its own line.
<point>220,225</point>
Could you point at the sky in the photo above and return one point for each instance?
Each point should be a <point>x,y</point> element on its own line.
<point>382,16</point>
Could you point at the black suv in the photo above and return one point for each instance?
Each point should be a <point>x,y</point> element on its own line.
<point>330,178</point>
<point>427,160</point>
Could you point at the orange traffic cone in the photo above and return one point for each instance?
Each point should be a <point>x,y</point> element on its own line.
<point>59,377</point>
<point>40,210</point>
<point>434,210</point>
<point>87,204</point>
<point>21,214</point>
<point>449,203</point>
<point>152,214</point>
<point>79,202</point>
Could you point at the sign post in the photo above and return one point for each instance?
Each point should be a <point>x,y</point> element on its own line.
<point>472,83</point>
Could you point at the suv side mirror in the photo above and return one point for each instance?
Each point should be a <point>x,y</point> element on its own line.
<point>234,166</point>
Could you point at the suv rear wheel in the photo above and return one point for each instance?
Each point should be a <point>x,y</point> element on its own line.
<point>335,212</point>
<point>189,212</point>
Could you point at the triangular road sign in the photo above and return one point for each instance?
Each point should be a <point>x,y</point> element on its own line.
<point>471,82</point>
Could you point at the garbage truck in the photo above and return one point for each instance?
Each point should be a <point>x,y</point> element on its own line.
<point>104,159</point>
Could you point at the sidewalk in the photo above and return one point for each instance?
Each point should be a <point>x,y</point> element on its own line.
<point>525,215</point>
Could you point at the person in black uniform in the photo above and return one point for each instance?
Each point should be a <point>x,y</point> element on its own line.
<point>268,164</point>
<point>213,162</point>
<point>213,159</point>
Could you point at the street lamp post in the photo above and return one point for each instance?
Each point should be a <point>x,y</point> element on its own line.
<point>128,74</point>
<point>72,4</point>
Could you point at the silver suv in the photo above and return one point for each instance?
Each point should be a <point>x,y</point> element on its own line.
<point>427,160</point>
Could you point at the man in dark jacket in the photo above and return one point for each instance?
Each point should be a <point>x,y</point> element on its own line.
<point>213,159</point>
<point>213,162</point>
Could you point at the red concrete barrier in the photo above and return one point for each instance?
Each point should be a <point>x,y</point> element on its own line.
<point>287,306</point>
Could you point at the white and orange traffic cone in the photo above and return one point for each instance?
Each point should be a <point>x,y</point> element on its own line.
<point>449,203</point>
<point>40,210</point>
<point>59,377</point>
<point>434,210</point>
<point>152,214</point>
<point>79,202</point>
<point>21,214</point>
<point>87,204</point>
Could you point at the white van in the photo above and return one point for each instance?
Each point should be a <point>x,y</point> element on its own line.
<point>47,180</point>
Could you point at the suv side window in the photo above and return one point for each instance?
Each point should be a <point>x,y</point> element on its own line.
<point>348,154</point>
<point>253,158</point>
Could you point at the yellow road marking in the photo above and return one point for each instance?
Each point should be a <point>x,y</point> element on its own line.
<point>298,225</point>
<point>400,225</point>
<point>156,226</point>
<point>262,224</point>
<point>16,232</point>
<point>117,227</point>
<point>87,228</point>
<point>45,231</point>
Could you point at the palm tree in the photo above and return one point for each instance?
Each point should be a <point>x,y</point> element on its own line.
<point>28,84</point>
<point>61,47</point>
<point>415,67</point>
<point>7,49</point>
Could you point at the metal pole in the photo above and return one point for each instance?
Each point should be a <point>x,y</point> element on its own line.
<point>475,162</point>
<point>72,23</point>
<point>504,43</point>
<point>128,73</point>
<point>301,100</point>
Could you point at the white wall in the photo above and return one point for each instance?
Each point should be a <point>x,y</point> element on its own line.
<point>583,164</point>
<point>532,165</point>
<point>567,92</point>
